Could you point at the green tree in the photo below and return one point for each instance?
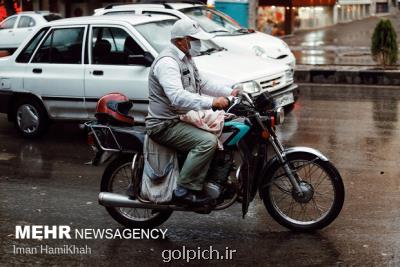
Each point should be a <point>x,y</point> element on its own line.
<point>384,48</point>
<point>9,5</point>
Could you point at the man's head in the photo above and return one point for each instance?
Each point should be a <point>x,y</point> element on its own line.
<point>185,31</point>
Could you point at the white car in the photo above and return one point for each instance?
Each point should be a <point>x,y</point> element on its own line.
<point>15,29</point>
<point>228,32</point>
<point>61,71</point>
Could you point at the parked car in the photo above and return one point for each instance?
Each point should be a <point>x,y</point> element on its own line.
<point>229,34</point>
<point>67,65</point>
<point>15,29</point>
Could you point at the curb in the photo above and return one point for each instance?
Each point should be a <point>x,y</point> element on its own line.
<point>346,75</point>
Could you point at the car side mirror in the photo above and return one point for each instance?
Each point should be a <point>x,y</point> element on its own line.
<point>146,59</point>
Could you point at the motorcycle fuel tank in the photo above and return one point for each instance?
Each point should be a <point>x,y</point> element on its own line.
<point>233,132</point>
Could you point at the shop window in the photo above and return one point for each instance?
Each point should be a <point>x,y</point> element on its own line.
<point>382,8</point>
<point>271,20</point>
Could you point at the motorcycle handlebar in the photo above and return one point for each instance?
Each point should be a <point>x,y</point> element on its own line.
<point>233,100</point>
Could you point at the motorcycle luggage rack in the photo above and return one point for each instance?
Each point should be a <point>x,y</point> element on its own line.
<point>105,137</point>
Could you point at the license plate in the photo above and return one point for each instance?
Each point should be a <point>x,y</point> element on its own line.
<point>284,100</point>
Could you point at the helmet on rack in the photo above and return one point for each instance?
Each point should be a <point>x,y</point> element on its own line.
<point>113,108</point>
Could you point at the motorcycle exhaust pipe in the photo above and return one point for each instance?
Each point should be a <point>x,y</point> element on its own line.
<point>108,199</point>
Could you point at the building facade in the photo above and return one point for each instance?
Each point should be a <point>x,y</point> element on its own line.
<point>73,8</point>
<point>282,17</point>
<point>349,10</point>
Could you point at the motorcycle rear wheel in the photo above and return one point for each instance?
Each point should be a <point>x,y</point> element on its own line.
<point>318,208</point>
<point>116,179</point>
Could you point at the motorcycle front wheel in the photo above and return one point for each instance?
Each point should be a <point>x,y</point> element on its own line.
<point>322,199</point>
<point>116,179</point>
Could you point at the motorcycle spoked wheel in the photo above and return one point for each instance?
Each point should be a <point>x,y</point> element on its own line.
<point>116,179</point>
<point>320,205</point>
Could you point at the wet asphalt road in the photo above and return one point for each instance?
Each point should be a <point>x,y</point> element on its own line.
<point>47,182</point>
<point>340,44</point>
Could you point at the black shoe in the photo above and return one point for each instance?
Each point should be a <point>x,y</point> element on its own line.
<point>185,196</point>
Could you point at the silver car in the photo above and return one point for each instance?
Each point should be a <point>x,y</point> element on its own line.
<point>61,71</point>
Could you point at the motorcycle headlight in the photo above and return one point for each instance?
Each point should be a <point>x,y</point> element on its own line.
<point>279,116</point>
<point>250,87</point>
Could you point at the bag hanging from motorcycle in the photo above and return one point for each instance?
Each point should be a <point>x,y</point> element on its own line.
<point>160,172</point>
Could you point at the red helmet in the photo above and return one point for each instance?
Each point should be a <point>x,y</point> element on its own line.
<point>114,108</point>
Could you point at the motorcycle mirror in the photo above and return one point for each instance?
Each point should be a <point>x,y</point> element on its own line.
<point>248,98</point>
<point>233,101</point>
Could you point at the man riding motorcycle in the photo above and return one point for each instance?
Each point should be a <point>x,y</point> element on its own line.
<point>175,88</point>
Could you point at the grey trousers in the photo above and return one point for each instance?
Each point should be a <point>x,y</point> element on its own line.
<point>200,146</point>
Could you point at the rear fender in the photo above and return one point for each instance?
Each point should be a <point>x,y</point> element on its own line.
<point>102,157</point>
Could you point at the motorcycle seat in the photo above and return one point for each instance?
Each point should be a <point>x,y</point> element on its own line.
<point>127,139</point>
<point>137,132</point>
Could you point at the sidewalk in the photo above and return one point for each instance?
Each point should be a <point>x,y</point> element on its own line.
<point>341,44</point>
<point>365,75</point>
<point>340,54</point>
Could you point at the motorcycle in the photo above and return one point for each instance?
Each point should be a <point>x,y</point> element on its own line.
<point>300,188</point>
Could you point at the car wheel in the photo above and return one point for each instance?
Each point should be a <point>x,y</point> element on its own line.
<point>30,118</point>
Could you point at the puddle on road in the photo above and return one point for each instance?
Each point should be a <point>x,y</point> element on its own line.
<point>6,156</point>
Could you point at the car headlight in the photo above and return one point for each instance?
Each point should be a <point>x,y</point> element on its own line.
<point>289,74</point>
<point>248,87</point>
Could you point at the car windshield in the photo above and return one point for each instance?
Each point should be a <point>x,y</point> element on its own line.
<point>213,21</point>
<point>158,34</point>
